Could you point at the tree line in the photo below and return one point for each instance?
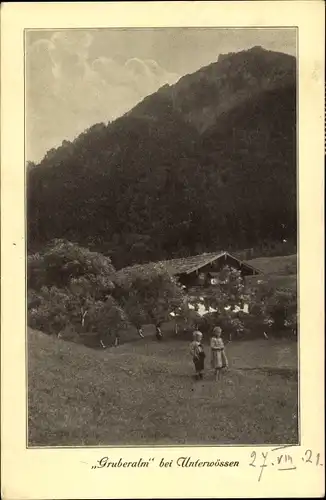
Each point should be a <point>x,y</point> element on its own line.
<point>78,295</point>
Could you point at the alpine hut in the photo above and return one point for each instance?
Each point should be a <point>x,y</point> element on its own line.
<point>201,270</point>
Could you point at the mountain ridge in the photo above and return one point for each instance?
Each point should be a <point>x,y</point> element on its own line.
<point>183,171</point>
<point>256,80</point>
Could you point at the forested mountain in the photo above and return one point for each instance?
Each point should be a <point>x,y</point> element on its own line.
<point>207,163</point>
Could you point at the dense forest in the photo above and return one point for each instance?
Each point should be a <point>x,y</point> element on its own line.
<point>208,163</point>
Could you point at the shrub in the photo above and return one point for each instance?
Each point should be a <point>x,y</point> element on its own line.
<point>282,309</point>
<point>65,314</point>
<point>47,309</point>
<point>65,282</point>
<point>63,261</point>
<point>147,293</point>
<point>272,310</point>
<point>105,320</point>
<point>224,298</point>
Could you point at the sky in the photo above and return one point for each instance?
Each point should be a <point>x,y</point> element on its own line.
<point>76,78</point>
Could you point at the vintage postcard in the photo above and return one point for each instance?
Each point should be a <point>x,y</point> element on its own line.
<point>162,240</point>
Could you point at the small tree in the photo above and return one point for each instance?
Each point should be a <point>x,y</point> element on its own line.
<point>147,293</point>
<point>272,310</point>
<point>63,261</point>
<point>226,298</point>
<point>48,309</point>
<point>66,282</point>
<point>75,316</point>
<point>282,309</point>
<point>269,310</point>
<point>105,320</point>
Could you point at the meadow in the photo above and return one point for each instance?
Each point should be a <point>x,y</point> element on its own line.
<point>277,272</point>
<point>283,265</point>
<point>143,393</point>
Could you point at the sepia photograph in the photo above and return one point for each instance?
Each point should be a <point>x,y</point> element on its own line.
<point>161,237</point>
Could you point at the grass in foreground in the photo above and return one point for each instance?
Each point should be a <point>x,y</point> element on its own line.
<point>142,393</point>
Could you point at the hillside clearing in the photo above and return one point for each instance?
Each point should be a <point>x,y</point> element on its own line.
<point>274,281</point>
<point>278,272</point>
<point>142,393</point>
<point>280,265</point>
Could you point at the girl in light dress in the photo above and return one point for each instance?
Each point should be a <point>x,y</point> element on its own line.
<point>218,356</point>
<point>198,354</point>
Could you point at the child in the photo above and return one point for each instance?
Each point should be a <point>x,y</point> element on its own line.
<point>198,354</point>
<point>218,356</point>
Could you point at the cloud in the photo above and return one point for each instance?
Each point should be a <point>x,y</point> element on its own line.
<point>67,92</point>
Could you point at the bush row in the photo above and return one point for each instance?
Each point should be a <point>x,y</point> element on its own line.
<point>77,294</point>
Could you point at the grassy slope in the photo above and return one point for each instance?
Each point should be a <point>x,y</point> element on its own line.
<point>143,393</point>
<point>275,281</point>
<point>278,272</point>
<point>282,265</point>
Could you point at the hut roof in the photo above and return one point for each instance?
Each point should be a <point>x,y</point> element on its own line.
<point>188,265</point>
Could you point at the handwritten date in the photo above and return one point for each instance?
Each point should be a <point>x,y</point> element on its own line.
<point>282,460</point>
